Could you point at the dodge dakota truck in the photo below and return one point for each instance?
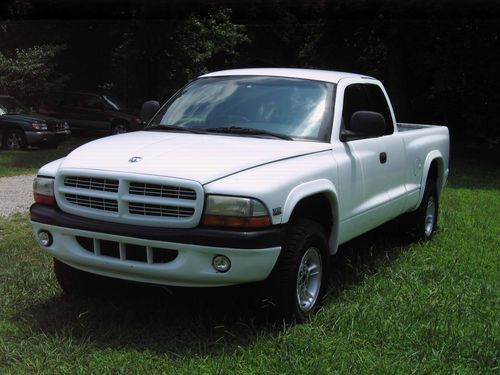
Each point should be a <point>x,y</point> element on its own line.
<point>242,176</point>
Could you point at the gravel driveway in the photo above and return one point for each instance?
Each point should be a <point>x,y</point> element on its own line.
<point>16,194</point>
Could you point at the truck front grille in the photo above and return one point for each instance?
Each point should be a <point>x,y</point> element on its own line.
<point>127,251</point>
<point>130,198</point>
<point>100,184</point>
<point>93,202</point>
<point>159,210</point>
<point>164,191</point>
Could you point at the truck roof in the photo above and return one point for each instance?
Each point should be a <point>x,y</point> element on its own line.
<point>317,75</point>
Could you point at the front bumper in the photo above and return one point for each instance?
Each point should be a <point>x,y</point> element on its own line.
<point>252,254</point>
<point>34,138</point>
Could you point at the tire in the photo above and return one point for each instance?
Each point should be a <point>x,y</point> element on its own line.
<point>299,278</point>
<point>74,282</point>
<point>119,128</point>
<point>14,139</point>
<point>423,222</point>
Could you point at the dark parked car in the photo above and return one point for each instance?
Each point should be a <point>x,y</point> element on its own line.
<point>92,111</point>
<point>19,128</point>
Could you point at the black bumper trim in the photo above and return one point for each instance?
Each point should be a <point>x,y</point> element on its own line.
<point>256,239</point>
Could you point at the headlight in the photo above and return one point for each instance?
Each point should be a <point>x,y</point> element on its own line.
<point>65,125</point>
<point>43,190</point>
<point>39,126</point>
<point>237,212</point>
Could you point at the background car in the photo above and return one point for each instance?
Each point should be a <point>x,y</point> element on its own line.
<point>19,128</point>
<point>92,111</point>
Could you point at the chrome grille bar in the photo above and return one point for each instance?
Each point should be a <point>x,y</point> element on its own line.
<point>163,191</point>
<point>92,202</point>
<point>159,210</point>
<point>91,183</point>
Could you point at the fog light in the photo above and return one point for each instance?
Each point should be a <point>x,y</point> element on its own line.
<point>221,263</point>
<point>44,238</point>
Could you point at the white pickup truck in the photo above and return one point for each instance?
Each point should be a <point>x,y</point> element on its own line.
<point>242,176</point>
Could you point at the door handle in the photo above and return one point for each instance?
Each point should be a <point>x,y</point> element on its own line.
<point>382,157</point>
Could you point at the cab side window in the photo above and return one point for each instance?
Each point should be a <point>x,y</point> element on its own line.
<point>365,97</point>
<point>355,99</point>
<point>379,104</point>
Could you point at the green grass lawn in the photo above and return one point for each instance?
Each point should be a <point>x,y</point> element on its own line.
<point>14,163</point>
<point>395,307</point>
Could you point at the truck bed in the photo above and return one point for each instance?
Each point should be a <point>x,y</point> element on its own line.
<point>405,127</point>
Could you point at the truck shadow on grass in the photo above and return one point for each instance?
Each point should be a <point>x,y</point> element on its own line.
<point>186,321</point>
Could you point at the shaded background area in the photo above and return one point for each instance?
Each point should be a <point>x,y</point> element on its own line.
<point>438,60</point>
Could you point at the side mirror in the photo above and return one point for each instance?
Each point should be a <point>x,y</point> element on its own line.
<point>364,124</point>
<point>149,109</point>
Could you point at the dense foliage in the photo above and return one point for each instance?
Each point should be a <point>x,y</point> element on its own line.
<point>438,60</point>
<point>165,54</point>
<point>30,73</point>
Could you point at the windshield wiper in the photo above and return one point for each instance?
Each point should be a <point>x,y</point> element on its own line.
<point>249,131</point>
<point>167,128</point>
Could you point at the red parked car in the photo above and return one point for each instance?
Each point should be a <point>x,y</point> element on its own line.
<point>92,111</point>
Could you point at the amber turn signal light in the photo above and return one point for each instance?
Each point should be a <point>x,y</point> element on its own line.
<point>236,222</point>
<point>44,199</point>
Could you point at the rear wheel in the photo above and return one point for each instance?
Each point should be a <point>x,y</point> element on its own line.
<point>14,139</point>
<point>299,278</point>
<point>423,221</point>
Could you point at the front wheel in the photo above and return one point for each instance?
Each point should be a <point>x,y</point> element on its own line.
<point>299,278</point>
<point>74,282</point>
<point>309,279</point>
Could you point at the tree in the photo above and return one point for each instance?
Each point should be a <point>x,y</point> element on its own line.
<point>167,53</point>
<point>206,43</point>
<point>30,73</point>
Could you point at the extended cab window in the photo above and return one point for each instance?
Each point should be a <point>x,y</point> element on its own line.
<point>365,97</point>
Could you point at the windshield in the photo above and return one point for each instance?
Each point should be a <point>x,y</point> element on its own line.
<point>114,103</point>
<point>11,105</point>
<point>296,108</point>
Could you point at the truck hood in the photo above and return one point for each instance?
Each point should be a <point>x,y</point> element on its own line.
<point>197,157</point>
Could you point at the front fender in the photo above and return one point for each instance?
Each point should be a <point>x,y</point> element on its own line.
<point>307,189</point>
<point>50,169</point>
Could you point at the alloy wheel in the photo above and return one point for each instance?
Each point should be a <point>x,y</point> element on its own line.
<point>309,279</point>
